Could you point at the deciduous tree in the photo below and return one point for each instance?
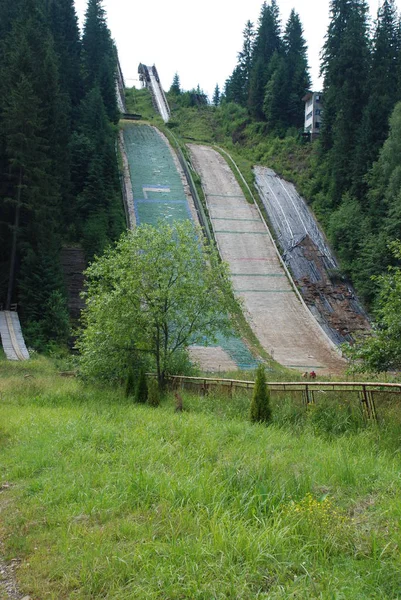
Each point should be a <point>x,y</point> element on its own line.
<point>153,295</point>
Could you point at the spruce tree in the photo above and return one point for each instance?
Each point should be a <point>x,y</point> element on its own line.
<point>130,383</point>
<point>234,87</point>
<point>383,95</point>
<point>141,390</point>
<point>345,68</point>
<point>216,96</point>
<point>267,43</point>
<point>67,43</point>
<point>260,411</point>
<point>99,57</point>
<point>31,127</point>
<point>295,56</point>
<point>176,86</point>
<point>237,85</point>
<point>153,393</point>
<point>276,95</point>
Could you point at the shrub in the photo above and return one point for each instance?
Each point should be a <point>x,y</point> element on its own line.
<point>153,393</point>
<point>141,390</point>
<point>130,384</point>
<point>260,406</point>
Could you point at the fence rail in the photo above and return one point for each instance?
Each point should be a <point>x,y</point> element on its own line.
<point>369,394</point>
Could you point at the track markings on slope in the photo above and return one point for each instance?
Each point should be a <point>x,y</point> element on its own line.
<point>235,219</point>
<point>241,232</point>
<point>281,322</point>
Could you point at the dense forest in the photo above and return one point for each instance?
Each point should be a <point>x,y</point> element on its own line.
<point>59,180</point>
<point>351,175</point>
<point>355,171</point>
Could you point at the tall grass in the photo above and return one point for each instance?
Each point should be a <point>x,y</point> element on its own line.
<point>112,499</point>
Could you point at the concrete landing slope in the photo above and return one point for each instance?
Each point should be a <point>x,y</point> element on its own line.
<point>282,323</point>
<point>11,336</point>
<point>159,190</point>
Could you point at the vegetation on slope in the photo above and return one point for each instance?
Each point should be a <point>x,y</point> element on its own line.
<point>104,497</point>
<point>58,112</point>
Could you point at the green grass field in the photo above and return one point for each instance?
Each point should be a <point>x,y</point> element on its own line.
<point>101,498</point>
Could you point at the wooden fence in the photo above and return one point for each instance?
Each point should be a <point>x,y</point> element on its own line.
<point>372,396</point>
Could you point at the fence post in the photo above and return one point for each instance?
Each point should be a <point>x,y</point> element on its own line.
<point>365,402</point>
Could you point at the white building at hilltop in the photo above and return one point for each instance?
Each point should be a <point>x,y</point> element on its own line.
<point>313,113</point>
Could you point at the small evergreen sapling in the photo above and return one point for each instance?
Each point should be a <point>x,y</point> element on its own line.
<point>141,391</point>
<point>153,393</point>
<point>130,384</point>
<point>260,406</point>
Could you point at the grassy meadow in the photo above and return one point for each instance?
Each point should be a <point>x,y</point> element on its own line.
<point>102,498</point>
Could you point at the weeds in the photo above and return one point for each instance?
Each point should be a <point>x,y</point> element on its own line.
<point>108,498</point>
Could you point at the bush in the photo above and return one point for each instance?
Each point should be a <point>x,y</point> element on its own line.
<point>260,406</point>
<point>153,393</point>
<point>141,391</point>
<point>130,384</point>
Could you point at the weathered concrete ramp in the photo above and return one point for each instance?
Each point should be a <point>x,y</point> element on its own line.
<point>11,336</point>
<point>157,189</point>
<point>282,323</point>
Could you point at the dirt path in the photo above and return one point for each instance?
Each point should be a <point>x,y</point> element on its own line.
<point>8,581</point>
<point>283,325</point>
<point>8,584</point>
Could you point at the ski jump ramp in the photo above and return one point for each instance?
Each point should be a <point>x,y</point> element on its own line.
<point>279,318</point>
<point>11,336</point>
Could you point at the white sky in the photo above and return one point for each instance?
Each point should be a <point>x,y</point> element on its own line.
<point>200,41</point>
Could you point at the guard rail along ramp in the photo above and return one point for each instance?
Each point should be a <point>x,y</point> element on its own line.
<point>150,78</point>
<point>11,336</point>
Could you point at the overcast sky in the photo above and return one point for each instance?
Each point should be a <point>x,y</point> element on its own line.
<point>200,41</point>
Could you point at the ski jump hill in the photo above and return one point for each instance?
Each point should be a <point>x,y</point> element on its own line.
<point>156,186</point>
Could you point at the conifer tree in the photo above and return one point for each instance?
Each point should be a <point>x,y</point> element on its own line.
<point>267,43</point>
<point>288,78</point>
<point>216,96</point>
<point>237,86</point>
<point>383,95</point>
<point>295,52</point>
<point>176,85</point>
<point>260,411</point>
<point>99,57</point>
<point>31,126</point>
<point>234,87</point>
<point>141,391</point>
<point>345,68</point>
<point>130,383</point>
<point>67,43</point>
